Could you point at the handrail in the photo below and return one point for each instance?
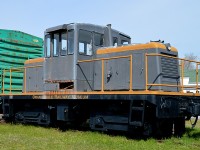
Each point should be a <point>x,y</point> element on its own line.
<point>147,84</point>
<point>197,77</point>
<point>181,85</point>
<point>12,70</point>
<point>146,72</point>
<point>102,68</point>
<point>102,75</point>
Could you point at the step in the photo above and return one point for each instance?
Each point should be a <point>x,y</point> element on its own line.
<point>136,123</point>
<point>138,108</point>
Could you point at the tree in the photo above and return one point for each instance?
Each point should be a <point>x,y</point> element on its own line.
<point>190,65</point>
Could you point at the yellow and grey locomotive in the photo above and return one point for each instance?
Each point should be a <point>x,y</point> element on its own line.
<point>94,74</point>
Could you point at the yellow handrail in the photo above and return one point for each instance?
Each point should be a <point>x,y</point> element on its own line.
<point>102,68</point>
<point>102,75</point>
<point>131,73</point>
<point>196,87</point>
<point>182,72</point>
<point>197,77</point>
<point>10,80</point>
<point>146,72</point>
<point>11,70</point>
<point>147,84</point>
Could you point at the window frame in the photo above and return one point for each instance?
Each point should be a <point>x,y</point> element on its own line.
<point>52,50</point>
<point>68,42</point>
<point>61,37</point>
<point>102,38</point>
<point>48,51</point>
<point>117,40</point>
<point>57,44</point>
<point>85,53</point>
<point>123,39</point>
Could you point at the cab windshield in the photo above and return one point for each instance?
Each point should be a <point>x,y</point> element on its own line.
<point>59,43</point>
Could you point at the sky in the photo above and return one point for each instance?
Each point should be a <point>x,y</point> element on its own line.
<point>175,21</point>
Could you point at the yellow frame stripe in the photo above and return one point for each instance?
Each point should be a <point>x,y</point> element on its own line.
<point>104,93</point>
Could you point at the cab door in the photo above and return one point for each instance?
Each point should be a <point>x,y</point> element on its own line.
<point>85,69</point>
<point>88,43</point>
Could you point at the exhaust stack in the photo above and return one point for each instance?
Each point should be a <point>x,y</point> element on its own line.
<point>109,31</point>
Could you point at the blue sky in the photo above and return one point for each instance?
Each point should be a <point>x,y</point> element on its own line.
<point>174,21</point>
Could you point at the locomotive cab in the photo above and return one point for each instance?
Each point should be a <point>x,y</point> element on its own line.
<point>59,58</point>
<point>64,46</point>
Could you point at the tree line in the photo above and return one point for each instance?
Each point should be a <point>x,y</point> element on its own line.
<point>190,65</point>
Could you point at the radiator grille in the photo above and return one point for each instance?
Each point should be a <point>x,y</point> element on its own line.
<point>169,67</point>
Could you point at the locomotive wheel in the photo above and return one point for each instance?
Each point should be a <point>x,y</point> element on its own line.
<point>179,127</point>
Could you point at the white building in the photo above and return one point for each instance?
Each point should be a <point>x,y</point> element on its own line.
<point>190,80</point>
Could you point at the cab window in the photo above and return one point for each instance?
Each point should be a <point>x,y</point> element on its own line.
<point>48,46</point>
<point>67,43</point>
<point>115,41</point>
<point>63,51</point>
<point>70,42</point>
<point>55,44</point>
<point>124,40</point>
<point>85,42</point>
<point>98,40</point>
<point>60,43</point>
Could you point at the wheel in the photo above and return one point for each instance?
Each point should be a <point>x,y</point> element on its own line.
<point>179,127</point>
<point>163,128</point>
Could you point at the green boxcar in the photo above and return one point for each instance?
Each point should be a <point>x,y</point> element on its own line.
<point>15,48</point>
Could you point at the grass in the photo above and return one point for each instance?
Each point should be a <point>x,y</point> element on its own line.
<point>14,137</point>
